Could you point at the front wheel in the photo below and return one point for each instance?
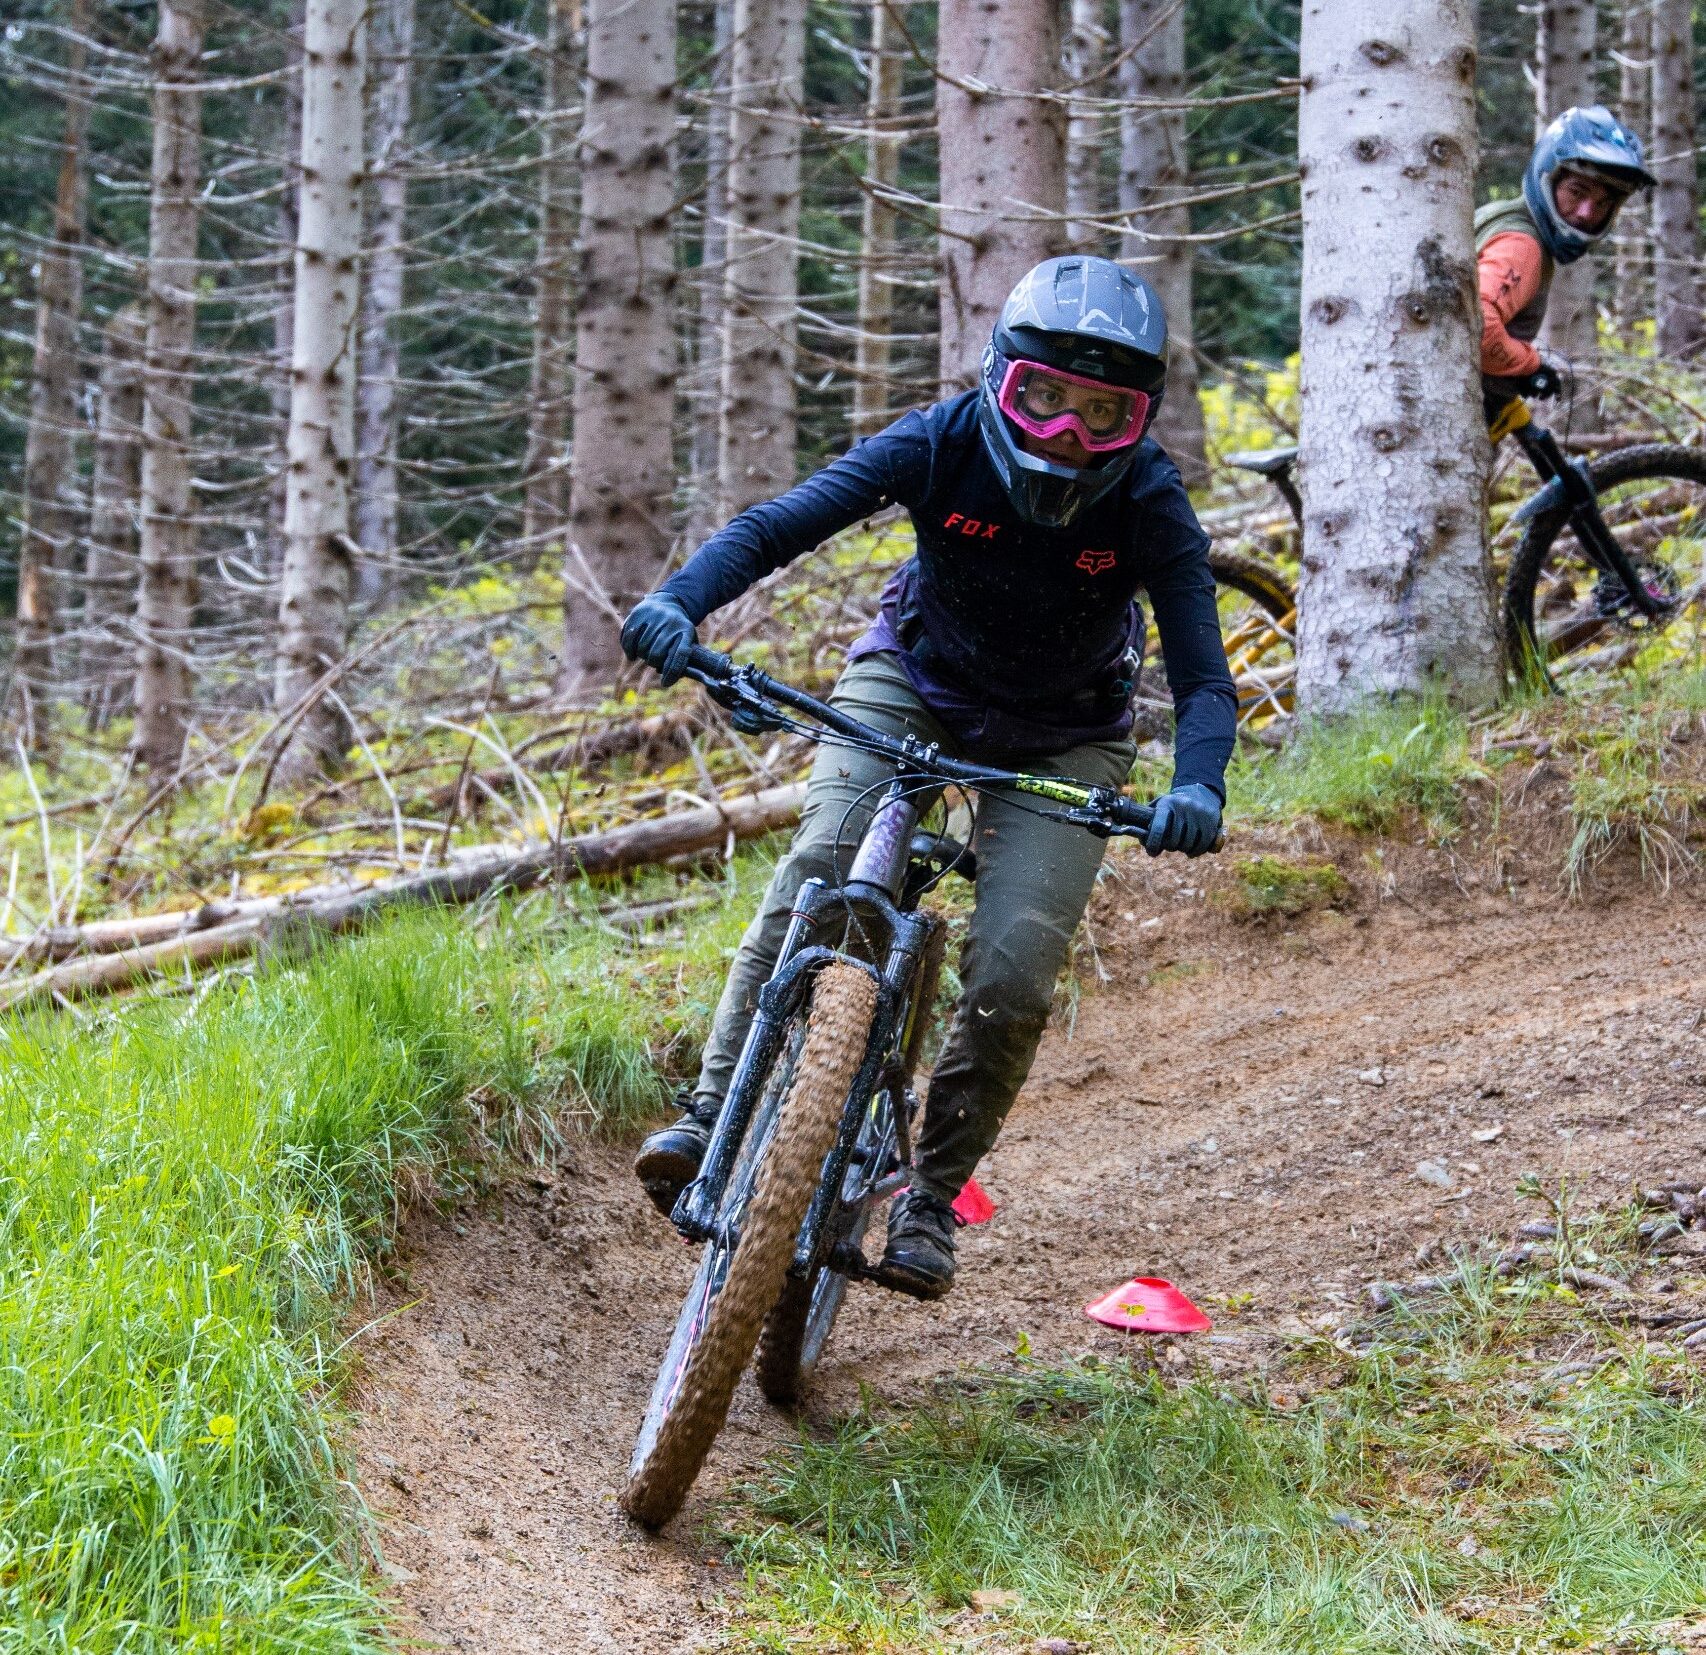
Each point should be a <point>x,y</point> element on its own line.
<point>745,1264</point>
<point>797,1328</point>
<point>1560,614</point>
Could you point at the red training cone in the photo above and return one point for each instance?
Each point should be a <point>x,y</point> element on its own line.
<point>1147,1304</point>
<point>972,1205</point>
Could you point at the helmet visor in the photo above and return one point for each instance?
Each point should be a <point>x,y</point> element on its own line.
<point>1045,402</point>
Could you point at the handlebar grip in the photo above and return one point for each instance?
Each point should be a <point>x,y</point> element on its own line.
<point>708,665</point>
<point>1130,813</point>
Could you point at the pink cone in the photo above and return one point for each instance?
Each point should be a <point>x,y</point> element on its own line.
<point>1147,1304</point>
<point>972,1205</point>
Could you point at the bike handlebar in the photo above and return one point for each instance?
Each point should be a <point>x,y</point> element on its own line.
<point>749,689</point>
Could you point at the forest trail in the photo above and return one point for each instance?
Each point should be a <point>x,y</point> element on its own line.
<point>1241,1107</point>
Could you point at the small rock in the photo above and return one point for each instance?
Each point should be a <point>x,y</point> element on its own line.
<point>1539,1229</point>
<point>1469,1546</point>
<point>1372,1077</point>
<point>1695,1340</point>
<point>1436,1173</point>
<point>1058,1646</point>
<point>396,1574</point>
<point>992,1600</point>
<point>1345,1520</point>
<point>1488,1134</point>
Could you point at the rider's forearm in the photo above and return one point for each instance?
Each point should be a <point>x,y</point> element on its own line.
<point>1503,357</point>
<point>769,536</point>
<point>1205,702</point>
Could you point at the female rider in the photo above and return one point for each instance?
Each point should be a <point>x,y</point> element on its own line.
<point>1012,636</point>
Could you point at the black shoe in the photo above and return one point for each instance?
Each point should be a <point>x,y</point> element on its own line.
<point>669,1159</point>
<point>921,1242</point>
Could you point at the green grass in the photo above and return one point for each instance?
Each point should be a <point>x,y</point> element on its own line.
<point>189,1197</point>
<point>1438,1491</point>
<point>1370,771</point>
<point>1635,780</point>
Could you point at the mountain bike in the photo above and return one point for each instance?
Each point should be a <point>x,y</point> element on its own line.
<point>816,1130</point>
<point>1610,568</point>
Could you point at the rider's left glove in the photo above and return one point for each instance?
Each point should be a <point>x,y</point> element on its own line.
<point>660,633</point>
<point>1545,382</point>
<point>1187,819</point>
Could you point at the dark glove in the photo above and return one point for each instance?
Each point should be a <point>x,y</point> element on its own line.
<point>1545,382</point>
<point>659,633</point>
<point>1187,819</point>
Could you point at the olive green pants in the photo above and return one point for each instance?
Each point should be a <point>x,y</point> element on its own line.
<point>1034,878</point>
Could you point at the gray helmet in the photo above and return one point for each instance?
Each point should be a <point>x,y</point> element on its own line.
<point>1085,316</point>
<point>1591,141</point>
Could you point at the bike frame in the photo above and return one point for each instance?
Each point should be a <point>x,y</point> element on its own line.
<point>878,900</point>
<point>1569,483</point>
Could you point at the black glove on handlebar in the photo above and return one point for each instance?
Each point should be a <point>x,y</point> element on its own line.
<point>1187,819</point>
<point>659,633</point>
<point>1545,382</point>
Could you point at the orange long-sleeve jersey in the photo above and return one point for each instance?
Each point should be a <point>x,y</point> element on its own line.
<point>1509,274</point>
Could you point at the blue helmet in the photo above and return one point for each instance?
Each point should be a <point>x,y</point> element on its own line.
<point>1086,317</point>
<point>1591,141</point>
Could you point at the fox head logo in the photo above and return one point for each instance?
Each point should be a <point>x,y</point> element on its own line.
<point>1094,563</point>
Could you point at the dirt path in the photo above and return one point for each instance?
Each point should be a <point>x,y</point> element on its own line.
<point>1240,1108</point>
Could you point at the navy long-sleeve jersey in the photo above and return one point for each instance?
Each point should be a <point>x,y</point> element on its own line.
<point>1012,633</point>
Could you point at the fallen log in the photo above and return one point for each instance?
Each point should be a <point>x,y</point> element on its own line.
<point>269,922</point>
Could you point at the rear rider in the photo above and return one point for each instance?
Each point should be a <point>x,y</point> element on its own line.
<point>1585,165</point>
<point>1012,637</point>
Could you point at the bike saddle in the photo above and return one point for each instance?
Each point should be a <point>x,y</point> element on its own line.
<point>1267,462</point>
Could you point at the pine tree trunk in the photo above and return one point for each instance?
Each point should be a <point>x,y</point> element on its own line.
<point>165,606</point>
<point>1565,63</point>
<point>314,589</point>
<point>623,478</point>
<point>376,503</point>
<point>51,506</point>
<point>756,430</point>
<point>1633,299</point>
<point>872,390</point>
<point>1396,589</point>
<point>1676,202</point>
<point>707,394</point>
<point>545,495</point>
<point>1003,164</point>
<point>284,291</point>
<point>1086,51</point>
<point>115,490</point>
<point>1155,169</point>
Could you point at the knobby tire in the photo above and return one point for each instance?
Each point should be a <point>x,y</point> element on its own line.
<point>838,1026</point>
<point>800,1322</point>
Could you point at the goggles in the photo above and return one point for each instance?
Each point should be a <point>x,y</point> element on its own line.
<point>1046,401</point>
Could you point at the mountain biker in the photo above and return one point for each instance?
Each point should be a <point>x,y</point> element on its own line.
<point>1040,507</point>
<point>1585,165</point>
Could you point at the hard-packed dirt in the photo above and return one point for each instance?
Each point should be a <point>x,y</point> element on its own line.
<point>1273,1113</point>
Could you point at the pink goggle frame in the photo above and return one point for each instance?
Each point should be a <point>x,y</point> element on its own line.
<point>1010,400</point>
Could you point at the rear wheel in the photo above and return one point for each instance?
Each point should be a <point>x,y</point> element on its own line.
<point>1560,617</point>
<point>745,1265</point>
<point>1258,621</point>
<point>797,1328</point>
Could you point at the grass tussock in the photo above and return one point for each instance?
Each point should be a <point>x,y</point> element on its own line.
<point>1637,774</point>
<point>1371,771</point>
<point>1445,1488</point>
<point>188,1198</point>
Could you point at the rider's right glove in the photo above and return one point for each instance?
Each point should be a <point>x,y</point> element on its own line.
<point>1544,382</point>
<point>1187,819</point>
<point>659,633</point>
